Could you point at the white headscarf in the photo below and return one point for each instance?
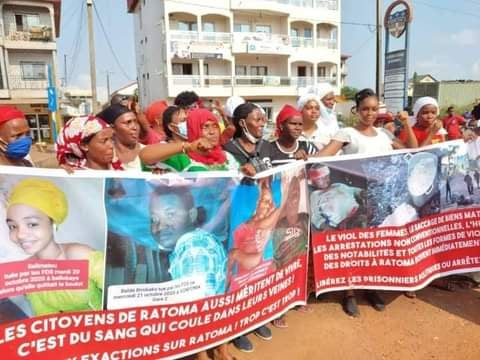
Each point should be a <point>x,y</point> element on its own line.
<point>231,104</point>
<point>323,89</point>
<point>327,123</point>
<point>419,104</point>
<point>305,98</point>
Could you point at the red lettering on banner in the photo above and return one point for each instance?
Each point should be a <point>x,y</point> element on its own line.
<point>157,331</point>
<point>398,258</point>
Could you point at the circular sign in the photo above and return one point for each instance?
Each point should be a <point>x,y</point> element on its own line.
<point>396,23</point>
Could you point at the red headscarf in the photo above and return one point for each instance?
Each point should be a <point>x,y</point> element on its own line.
<point>155,110</point>
<point>195,120</point>
<point>8,113</point>
<point>285,113</point>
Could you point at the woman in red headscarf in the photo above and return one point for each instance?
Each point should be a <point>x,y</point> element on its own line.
<point>15,140</point>
<point>201,151</point>
<point>288,147</point>
<point>86,143</point>
<point>153,115</point>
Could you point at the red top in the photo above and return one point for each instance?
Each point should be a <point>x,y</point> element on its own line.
<point>421,134</point>
<point>452,125</point>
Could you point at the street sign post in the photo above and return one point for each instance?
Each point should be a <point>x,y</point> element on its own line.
<point>52,103</point>
<point>396,61</point>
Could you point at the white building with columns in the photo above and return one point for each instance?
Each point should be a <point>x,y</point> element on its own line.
<point>28,33</point>
<point>262,50</point>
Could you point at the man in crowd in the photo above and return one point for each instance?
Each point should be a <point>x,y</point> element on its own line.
<point>15,140</point>
<point>453,123</point>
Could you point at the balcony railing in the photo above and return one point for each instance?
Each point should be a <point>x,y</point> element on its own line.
<point>301,42</point>
<point>218,80</point>
<point>241,81</point>
<point>35,33</point>
<point>327,79</point>
<point>324,4</point>
<point>267,40</point>
<point>262,37</point>
<point>327,43</point>
<point>206,37</point>
<point>17,82</point>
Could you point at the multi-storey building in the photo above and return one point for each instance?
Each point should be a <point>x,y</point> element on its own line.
<point>28,32</point>
<point>262,50</point>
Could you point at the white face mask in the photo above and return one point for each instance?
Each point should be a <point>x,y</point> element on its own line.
<point>252,139</point>
<point>182,129</point>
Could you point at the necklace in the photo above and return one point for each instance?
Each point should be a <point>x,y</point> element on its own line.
<point>289,153</point>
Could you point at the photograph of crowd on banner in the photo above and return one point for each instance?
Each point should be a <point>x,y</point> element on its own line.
<point>394,222</point>
<point>52,258</point>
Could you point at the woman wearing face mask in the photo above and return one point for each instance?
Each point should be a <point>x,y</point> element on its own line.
<point>35,209</point>
<point>247,145</point>
<point>86,143</point>
<point>168,155</point>
<point>15,140</point>
<point>196,149</point>
<point>126,135</point>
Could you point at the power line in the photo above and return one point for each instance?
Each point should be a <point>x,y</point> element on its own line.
<point>72,15</point>
<point>124,73</point>
<point>451,10</point>
<point>330,22</point>
<point>363,44</point>
<point>77,44</point>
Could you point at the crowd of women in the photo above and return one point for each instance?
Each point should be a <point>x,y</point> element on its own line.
<point>191,135</point>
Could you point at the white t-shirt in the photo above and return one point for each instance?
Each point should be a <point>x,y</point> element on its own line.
<point>318,138</point>
<point>357,143</point>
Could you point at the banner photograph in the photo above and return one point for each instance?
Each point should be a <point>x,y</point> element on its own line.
<point>190,262</point>
<point>394,222</point>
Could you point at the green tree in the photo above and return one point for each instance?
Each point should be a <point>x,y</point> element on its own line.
<point>349,92</point>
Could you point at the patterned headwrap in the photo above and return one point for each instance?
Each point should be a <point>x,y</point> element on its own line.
<point>71,136</point>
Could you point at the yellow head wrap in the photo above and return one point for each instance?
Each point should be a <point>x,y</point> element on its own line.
<point>42,195</point>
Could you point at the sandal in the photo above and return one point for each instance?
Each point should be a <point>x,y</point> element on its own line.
<point>280,323</point>
<point>410,294</point>
<point>304,309</point>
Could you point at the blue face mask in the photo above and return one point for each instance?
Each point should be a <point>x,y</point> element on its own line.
<point>18,149</point>
<point>182,129</point>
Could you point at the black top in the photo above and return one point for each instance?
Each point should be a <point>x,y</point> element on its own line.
<point>279,156</point>
<point>262,152</point>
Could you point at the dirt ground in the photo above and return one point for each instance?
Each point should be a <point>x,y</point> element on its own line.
<point>436,325</point>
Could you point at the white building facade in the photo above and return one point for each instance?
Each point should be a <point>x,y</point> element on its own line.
<point>262,50</point>
<point>28,32</point>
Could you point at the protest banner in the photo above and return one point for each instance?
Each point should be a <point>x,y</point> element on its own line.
<point>394,222</point>
<point>105,265</point>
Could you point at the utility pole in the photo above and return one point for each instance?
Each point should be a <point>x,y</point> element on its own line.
<point>91,44</point>
<point>378,83</point>
<point>108,84</point>
<point>65,80</point>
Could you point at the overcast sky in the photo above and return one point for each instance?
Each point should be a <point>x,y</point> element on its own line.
<point>444,39</point>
